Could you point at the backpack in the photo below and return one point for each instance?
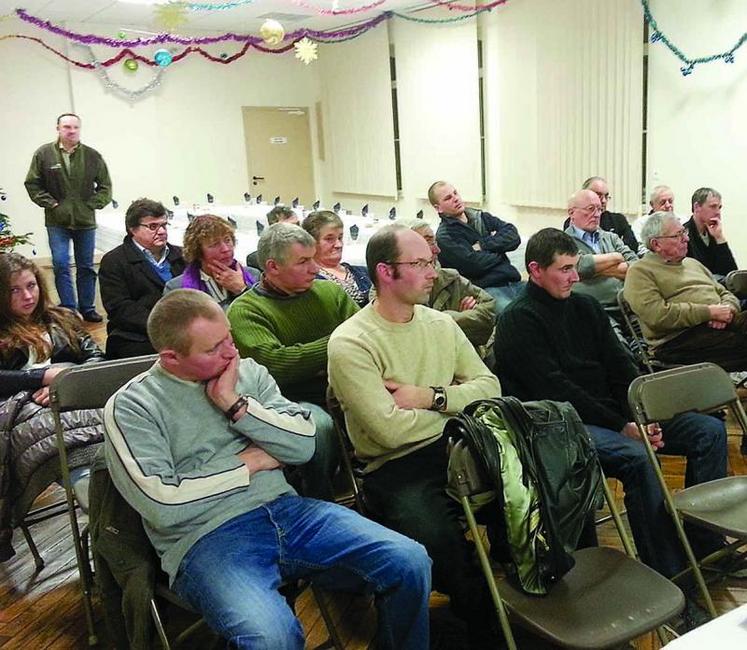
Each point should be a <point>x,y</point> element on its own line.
<point>542,466</point>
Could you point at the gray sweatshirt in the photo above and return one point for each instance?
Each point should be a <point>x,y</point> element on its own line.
<point>173,454</point>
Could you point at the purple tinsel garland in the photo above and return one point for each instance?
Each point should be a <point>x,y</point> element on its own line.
<point>92,39</point>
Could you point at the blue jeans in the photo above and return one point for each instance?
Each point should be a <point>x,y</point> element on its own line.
<point>702,439</point>
<point>232,574</point>
<point>504,295</point>
<point>316,475</point>
<point>84,241</point>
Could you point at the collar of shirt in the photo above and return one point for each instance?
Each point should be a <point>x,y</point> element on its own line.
<point>214,289</point>
<point>591,238</point>
<point>152,258</point>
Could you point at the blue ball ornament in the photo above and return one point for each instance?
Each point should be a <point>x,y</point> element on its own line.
<point>163,58</point>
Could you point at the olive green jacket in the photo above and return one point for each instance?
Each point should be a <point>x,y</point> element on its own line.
<point>75,194</point>
<point>449,289</point>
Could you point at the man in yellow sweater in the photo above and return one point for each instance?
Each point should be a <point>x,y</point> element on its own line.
<point>686,316</point>
<point>400,370</point>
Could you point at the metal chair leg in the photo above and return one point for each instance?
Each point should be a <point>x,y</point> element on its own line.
<point>38,560</point>
<point>159,625</point>
<point>331,627</point>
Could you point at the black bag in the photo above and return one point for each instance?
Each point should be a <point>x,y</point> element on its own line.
<point>542,463</point>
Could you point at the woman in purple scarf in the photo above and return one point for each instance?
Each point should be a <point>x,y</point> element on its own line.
<point>208,249</point>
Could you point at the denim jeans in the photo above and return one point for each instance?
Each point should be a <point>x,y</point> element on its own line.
<point>84,242</point>
<point>702,439</point>
<point>504,295</point>
<point>232,574</point>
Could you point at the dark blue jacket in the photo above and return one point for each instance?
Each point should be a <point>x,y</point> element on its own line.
<point>488,267</point>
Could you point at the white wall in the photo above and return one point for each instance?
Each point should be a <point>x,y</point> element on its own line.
<point>185,138</point>
<point>697,126</point>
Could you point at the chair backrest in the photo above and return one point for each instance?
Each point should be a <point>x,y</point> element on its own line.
<point>736,282</point>
<point>90,386</point>
<point>702,387</point>
<point>639,346</point>
<point>347,450</point>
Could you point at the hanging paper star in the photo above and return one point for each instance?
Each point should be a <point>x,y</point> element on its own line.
<point>306,50</point>
<point>171,16</point>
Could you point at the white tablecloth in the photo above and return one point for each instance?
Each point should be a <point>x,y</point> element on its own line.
<point>111,228</point>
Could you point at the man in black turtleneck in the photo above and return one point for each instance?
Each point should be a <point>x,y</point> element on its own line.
<point>554,344</point>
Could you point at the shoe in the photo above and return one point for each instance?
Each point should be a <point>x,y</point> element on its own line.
<point>692,616</point>
<point>93,316</point>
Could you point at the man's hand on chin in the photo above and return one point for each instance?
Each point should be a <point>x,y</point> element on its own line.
<point>221,390</point>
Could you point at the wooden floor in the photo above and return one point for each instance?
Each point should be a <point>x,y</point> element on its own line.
<point>43,609</point>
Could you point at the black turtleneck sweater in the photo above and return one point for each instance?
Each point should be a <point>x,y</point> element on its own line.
<point>564,350</point>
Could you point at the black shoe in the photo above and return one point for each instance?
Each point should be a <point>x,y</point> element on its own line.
<point>92,316</point>
<point>692,616</point>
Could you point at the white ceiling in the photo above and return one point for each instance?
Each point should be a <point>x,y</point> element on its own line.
<point>243,19</point>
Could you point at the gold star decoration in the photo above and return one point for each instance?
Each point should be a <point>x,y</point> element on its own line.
<point>171,16</point>
<point>306,50</point>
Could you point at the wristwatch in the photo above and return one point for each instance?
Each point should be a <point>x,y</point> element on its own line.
<point>236,407</point>
<point>439,398</point>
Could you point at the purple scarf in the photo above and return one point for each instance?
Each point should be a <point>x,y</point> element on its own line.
<point>191,277</point>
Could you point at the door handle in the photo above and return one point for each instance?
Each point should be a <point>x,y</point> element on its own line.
<point>258,178</point>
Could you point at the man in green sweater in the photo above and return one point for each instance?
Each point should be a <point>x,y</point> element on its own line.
<point>686,316</point>
<point>400,370</point>
<point>284,322</point>
<point>70,181</point>
<point>197,445</point>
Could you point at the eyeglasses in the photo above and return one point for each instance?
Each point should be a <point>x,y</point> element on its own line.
<point>680,234</point>
<point>589,208</point>
<point>418,264</point>
<point>155,226</point>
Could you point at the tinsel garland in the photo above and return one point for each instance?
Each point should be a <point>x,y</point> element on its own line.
<point>658,36</point>
<point>110,84</point>
<point>470,8</point>
<point>329,36</point>
<point>338,12</point>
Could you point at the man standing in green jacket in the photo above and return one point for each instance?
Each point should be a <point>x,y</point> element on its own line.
<point>70,181</point>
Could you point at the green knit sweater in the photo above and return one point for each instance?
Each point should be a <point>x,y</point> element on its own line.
<point>288,334</point>
<point>672,297</point>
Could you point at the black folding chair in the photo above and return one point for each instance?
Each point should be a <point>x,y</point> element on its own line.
<point>605,600</point>
<point>721,505</point>
<point>86,387</point>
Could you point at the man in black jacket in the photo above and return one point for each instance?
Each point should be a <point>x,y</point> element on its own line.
<point>475,243</point>
<point>707,242</point>
<point>133,275</point>
<point>610,221</point>
<point>554,344</point>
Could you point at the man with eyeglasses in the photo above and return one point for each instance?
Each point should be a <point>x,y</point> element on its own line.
<point>686,315</point>
<point>400,370</point>
<point>707,241</point>
<point>133,276</point>
<point>603,257</point>
<point>609,221</point>
<point>70,181</point>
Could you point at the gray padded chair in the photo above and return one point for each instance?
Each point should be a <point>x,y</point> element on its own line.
<point>87,387</point>
<point>720,505</point>
<point>605,600</point>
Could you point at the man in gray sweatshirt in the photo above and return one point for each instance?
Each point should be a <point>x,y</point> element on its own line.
<point>197,445</point>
